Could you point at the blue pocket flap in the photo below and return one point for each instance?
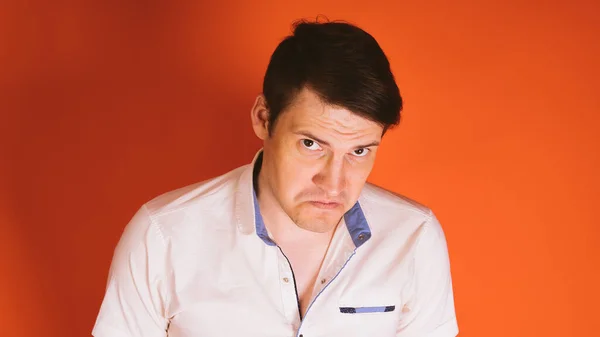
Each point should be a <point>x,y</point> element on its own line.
<point>360,310</point>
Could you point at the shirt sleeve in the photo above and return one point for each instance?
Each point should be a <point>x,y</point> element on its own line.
<point>135,300</point>
<point>429,311</point>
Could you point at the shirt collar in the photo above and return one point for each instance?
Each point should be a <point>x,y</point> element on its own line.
<point>355,219</point>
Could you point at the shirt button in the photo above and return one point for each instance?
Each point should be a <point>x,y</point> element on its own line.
<point>361,237</point>
<point>286,280</point>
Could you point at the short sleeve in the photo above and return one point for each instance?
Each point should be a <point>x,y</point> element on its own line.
<point>134,303</point>
<point>429,311</point>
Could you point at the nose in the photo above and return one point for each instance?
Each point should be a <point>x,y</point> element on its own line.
<point>331,177</point>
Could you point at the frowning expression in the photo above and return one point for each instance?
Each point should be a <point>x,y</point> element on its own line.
<point>317,160</point>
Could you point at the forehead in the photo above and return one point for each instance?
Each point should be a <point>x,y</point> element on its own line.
<point>308,110</point>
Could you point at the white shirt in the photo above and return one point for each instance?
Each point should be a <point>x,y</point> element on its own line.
<point>197,261</point>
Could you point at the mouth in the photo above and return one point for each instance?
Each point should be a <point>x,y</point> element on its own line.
<point>325,204</point>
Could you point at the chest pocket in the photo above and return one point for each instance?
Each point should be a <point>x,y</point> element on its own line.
<point>370,312</point>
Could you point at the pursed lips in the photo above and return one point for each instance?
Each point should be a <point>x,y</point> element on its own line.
<point>325,204</point>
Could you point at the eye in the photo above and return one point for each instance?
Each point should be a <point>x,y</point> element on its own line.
<point>360,152</point>
<point>310,144</point>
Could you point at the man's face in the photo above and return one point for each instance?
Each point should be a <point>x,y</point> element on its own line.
<point>317,160</point>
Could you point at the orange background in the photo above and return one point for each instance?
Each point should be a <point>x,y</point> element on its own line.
<point>106,104</point>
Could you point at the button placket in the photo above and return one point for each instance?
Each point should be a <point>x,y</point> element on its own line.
<point>288,290</point>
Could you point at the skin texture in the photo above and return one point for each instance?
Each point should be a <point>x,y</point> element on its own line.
<point>315,163</point>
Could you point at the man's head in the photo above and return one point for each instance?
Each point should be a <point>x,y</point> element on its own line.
<point>328,97</point>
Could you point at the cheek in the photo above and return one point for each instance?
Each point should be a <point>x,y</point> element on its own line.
<point>293,178</point>
<point>357,178</point>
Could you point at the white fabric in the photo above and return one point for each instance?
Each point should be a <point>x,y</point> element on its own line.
<point>190,264</point>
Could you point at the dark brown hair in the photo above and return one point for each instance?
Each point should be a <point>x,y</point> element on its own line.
<point>341,63</point>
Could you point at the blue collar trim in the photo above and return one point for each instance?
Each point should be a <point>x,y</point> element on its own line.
<point>355,220</point>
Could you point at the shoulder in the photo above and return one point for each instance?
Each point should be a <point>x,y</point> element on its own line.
<point>195,203</point>
<point>191,195</point>
<point>395,215</point>
<point>385,204</point>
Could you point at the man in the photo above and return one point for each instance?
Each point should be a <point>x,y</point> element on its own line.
<point>296,243</point>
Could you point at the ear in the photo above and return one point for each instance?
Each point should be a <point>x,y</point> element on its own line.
<point>260,117</point>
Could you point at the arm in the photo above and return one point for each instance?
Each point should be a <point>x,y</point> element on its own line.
<point>429,311</point>
<point>134,304</point>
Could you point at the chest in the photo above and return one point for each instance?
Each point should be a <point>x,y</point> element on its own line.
<point>306,269</point>
<point>254,295</point>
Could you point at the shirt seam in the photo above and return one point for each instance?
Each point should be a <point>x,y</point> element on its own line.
<point>160,233</point>
<point>425,228</point>
<point>154,224</point>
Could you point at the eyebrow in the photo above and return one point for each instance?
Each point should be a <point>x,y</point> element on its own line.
<point>320,141</point>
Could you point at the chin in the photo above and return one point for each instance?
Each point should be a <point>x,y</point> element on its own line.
<point>318,223</point>
<point>316,227</point>
<point>315,219</point>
